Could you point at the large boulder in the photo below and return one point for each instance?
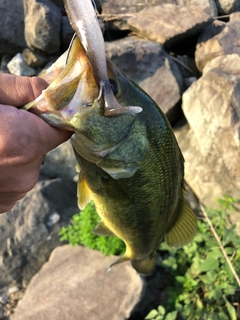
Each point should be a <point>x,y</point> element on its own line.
<point>216,40</point>
<point>29,232</point>
<point>208,6</point>
<point>75,285</point>
<point>211,145</point>
<point>43,21</point>
<point>12,38</point>
<point>60,163</point>
<point>168,24</point>
<point>227,6</point>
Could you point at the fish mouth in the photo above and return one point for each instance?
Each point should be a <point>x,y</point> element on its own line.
<point>71,87</point>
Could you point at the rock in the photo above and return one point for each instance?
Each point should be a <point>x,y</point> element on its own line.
<point>3,298</point>
<point>4,62</point>
<point>116,12</point>
<point>18,66</point>
<point>66,33</point>
<point>42,25</point>
<point>234,16</point>
<point>227,6</point>
<point>81,288</point>
<point>60,163</point>
<point>187,66</point>
<point>150,66</point>
<point>53,219</point>
<point>12,38</point>
<point>34,59</point>
<point>59,3</point>
<point>26,238</point>
<point>208,6</point>
<point>168,24</point>
<point>211,145</point>
<point>14,294</point>
<point>112,7</point>
<point>217,40</point>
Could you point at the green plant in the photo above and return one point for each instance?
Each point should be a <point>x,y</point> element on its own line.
<point>200,284</point>
<point>79,232</point>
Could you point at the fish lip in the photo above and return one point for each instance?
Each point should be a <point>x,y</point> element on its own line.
<point>72,89</point>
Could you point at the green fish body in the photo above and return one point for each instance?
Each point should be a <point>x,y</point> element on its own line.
<point>130,164</point>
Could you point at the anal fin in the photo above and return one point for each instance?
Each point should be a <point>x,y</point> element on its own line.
<point>184,229</point>
<point>102,230</point>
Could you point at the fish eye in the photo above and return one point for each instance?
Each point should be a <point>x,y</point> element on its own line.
<point>114,86</point>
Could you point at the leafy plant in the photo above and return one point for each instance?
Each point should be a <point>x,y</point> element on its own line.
<point>200,284</point>
<point>80,232</point>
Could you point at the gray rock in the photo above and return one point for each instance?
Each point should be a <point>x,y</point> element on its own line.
<point>149,65</point>
<point>211,145</point>
<point>12,38</point>
<point>116,12</point>
<point>18,66</point>
<point>66,33</point>
<point>3,298</point>
<point>130,6</point>
<point>168,24</point>
<point>4,61</point>
<point>227,6</point>
<point>34,59</point>
<point>26,239</point>
<point>208,6</point>
<point>60,163</point>
<point>216,41</point>
<point>81,288</point>
<point>59,3</point>
<point>42,25</point>
<point>234,16</point>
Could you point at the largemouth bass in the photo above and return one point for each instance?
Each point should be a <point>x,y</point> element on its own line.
<point>130,163</point>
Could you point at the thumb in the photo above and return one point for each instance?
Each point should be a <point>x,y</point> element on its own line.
<point>18,90</point>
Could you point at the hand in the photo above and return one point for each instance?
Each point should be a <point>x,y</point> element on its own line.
<point>24,138</point>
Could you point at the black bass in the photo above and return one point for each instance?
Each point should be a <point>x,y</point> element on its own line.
<point>130,164</point>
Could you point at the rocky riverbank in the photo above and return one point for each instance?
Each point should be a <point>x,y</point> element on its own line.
<point>185,54</point>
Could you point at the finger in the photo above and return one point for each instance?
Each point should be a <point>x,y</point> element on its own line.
<point>48,136</point>
<point>18,90</point>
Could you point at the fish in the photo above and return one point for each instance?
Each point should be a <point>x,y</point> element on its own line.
<point>129,163</point>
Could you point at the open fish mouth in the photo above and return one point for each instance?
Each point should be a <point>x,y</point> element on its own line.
<point>71,87</point>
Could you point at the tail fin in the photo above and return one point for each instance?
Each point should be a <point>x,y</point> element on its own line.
<point>145,266</point>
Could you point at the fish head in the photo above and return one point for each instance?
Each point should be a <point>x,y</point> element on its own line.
<point>73,101</point>
<point>70,80</point>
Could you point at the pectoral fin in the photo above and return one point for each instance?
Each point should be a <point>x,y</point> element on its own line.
<point>102,230</point>
<point>184,229</point>
<point>83,192</point>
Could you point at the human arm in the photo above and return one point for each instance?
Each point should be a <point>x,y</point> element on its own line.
<point>24,138</point>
